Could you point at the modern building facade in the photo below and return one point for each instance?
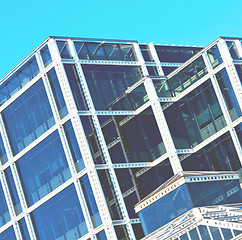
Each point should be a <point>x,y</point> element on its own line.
<point>91,127</point>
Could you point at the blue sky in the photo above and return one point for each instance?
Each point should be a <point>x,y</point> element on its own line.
<point>25,24</point>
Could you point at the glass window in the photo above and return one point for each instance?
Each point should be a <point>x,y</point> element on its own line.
<point>74,147</point>
<point>228,94</point>
<point>4,213</point>
<point>233,50</point>
<point>195,117</point>
<point>239,132</point>
<point>165,209</point>
<point>226,233</point>
<point>193,234</point>
<point>13,191</point>
<point>109,193</point>
<point>23,229</point>
<point>17,80</point>
<point>162,88</point>
<point>145,50</point>
<point>130,101</point>
<point>168,70</point>
<point>184,237</point>
<point>130,200</point>
<point>75,85</point>
<point>105,51</point>
<point>175,53</point>
<point>8,234</point>
<point>45,54</point>
<point>214,56</point>
<point>239,71</point>
<point>121,232</point>
<point>219,155</point>
<point>64,49</point>
<point>204,232</point>
<point>28,117</point>
<point>101,235</point>
<point>61,217</point>
<point>91,202</point>
<point>215,233</point>
<point>138,231</point>
<point>55,87</point>
<point>107,83</point>
<point>187,76</point>
<point>3,155</point>
<point>152,70</point>
<point>139,141</point>
<point>43,169</point>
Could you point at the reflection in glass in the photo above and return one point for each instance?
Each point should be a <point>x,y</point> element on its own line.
<point>74,147</point>
<point>8,234</point>
<point>239,71</point>
<point>214,56</point>
<point>187,76</point>
<point>195,117</point>
<point>101,235</point>
<point>55,87</point>
<point>106,83</point>
<point>60,217</point>
<point>45,54</point>
<point>13,191</point>
<point>17,80</point>
<point>43,169</point>
<point>28,117</point>
<point>219,155</point>
<point>145,50</point>
<point>64,49</point>
<point>3,155</point>
<point>90,200</point>
<point>105,51</point>
<point>228,94</point>
<point>233,50</point>
<point>23,229</point>
<point>4,213</point>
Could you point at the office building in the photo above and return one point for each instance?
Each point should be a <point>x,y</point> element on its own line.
<point>90,127</point>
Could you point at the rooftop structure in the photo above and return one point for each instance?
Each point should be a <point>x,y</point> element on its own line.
<point>90,127</point>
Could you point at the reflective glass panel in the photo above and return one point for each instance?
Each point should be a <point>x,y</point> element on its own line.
<point>43,169</point>
<point>17,80</point>
<point>184,237</point>
<point>168,70</point>
<point>64,49</point>
<point>101,235</point>
<point>215,233</point>
<point>23,229</point>
<point>187,76</point>
<point>219,155</point>
<point>239,71</point>
<point>226,233</point>
<point>109,194</point>
<point>145,50</point>
<point>165,209</point>
<point>175,53</point>
<point>75,85</point>
<point>3,155</point>
<point>107,83</point>
<point>138,231</point>
<point>214,56</point>
<point>233,50</point>
<point>13,191</point>
<point>28,117</point>
<point>193,234</point>
<point>228,94</point>
<point>8,234</point>
<point>60,217</point>
<point>90,200</point>
<point>45,54</point>
<point>204,232</point>
<point>121,232</point>
<point>55,87</point>
<point>139,141</point>
<point>195,117</point>
<point>4,213</point>
<point>152,70</point>
<point>74,147</point>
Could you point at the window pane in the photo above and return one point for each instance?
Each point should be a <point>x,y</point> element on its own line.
<point>233,50</point>
<point>13,191</point>
<point>215,233</point>
<point>106,83</point>
<point>44,168</point>
<point>60,217</point>
<point>4,213</point>
<point>55,87</point>
<point>145,50</point>
<point>28,117</point>
<point>23,229</point>
<point>8,234</point>
<point>45,54</point>
<point>214,56</point>
<point>101,235</point>
<point>3,155</point>
<point>74,147</point>
<point>64,49</point>
<point>227,233</point>
<point>228,94</point>
<point>204,232</point>
<point>90,200</point>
